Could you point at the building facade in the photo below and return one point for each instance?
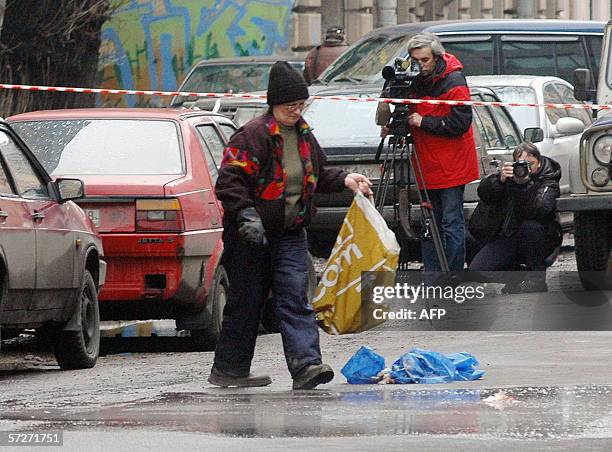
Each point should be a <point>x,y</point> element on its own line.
<point>312,17</point>
<point>151,44</point>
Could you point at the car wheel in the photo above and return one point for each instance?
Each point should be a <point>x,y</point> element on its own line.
<point>80,349</point>
<point>205,339</point>
<point>592,234</point>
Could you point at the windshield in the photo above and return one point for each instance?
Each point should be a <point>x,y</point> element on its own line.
<point>231,78</point>
<point>523,116</point>
<point>104,146</point>
<point>343,123</point>
<point>364,62</point>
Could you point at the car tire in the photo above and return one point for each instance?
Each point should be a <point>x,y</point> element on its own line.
<point>206,339</point>
<point>80,349</point>
<point>592,235</point>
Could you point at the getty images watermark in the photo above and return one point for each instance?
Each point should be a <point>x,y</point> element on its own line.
<point>491,301</point>
<point>406,293</point>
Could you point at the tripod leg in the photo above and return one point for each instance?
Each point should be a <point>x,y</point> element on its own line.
<point>427,211</point>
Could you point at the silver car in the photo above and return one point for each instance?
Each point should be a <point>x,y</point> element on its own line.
<point>562,128</point>
<point>50,257</point>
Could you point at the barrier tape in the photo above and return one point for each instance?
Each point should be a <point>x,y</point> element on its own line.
<point>66,89</point>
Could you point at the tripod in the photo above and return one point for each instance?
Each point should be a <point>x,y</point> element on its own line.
<point>403,150</point>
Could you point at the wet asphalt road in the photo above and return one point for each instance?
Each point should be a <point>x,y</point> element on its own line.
<point>542,391</point>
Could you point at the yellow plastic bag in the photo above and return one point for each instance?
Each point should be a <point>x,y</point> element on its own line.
<point>364,244</point>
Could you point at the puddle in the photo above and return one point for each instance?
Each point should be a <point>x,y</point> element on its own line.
<point>518,413</point>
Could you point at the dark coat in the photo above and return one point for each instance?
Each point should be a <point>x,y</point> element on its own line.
<point>445,142</point>
<point>320,57</point>
<point>509,204</point>
<point>252,175</point>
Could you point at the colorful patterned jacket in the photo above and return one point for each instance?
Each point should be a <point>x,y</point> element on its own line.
<point>251,174</point>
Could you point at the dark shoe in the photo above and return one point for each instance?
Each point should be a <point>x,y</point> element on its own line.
<point>312,376</point>
<point>225,380</point>
<point>534,286</point>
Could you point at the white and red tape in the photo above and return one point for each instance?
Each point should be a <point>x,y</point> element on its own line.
<point>66,89</point>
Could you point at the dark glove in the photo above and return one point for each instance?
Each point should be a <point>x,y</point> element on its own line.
<point>251,228</point>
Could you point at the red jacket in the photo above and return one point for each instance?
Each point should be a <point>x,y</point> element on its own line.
<point>445,141</point>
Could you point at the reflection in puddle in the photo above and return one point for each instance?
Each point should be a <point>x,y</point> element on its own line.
<point>525,412</point>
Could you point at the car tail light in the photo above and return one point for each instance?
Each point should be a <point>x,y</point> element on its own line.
<point>159,215</point>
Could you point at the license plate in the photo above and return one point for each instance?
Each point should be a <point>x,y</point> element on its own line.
<point>94,216</point>
<point>369,170</point>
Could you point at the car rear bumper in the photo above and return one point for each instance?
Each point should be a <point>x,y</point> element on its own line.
<point>575,203</point>
<point>168,268</point>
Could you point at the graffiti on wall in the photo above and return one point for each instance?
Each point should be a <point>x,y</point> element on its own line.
<point>151,44</point>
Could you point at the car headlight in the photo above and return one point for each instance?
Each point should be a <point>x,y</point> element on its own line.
<point>603,150</point>
<point>600,177</point>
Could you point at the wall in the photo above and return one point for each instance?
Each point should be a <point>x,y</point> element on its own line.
<point>150,44</point>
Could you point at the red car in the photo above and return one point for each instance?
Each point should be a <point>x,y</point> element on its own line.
<point>149,177</point>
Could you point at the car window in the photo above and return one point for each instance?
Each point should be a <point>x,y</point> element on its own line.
<point>230,78</point>
<point>480,127</point>
<point>214,147</point>
<point>228,130</point>
<point>523,116</point>
<point>104,146</point>
<point>488,131</point>
<point>594,49</point>
<point>570,55</point>
<point>27,180</point>
<point>551,95</point>
<point>364,62</point>
<point>535,58</point>
<point>5,185</point>
<point>475,53</point>
<point>567,96</point>
<point>542,56</point>
<point>507,128</point>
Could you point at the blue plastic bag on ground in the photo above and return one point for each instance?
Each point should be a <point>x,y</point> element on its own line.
<point>427,367</point>
<point>363,366</point>
<point>465,363</point>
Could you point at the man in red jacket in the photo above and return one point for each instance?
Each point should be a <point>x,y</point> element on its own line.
<point>444,144</point>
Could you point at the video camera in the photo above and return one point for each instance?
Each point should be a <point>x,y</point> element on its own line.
<point>398,85</point>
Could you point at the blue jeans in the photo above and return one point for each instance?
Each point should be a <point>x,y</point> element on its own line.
<point>281,266</point>
<point>448,210</point>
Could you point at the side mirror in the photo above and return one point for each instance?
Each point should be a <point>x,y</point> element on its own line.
<point>533,134</point>
<point>69,189</point>
<point>582,85</point>
<point>569,126</point>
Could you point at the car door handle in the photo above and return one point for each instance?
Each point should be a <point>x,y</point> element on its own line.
<point>38,216</point>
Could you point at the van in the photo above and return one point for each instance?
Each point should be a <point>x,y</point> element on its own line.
<point>485,47</point>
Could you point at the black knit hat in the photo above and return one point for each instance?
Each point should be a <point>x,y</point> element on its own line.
<point>285,84</point>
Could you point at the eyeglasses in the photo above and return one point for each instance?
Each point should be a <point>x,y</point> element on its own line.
<point>294,106</point>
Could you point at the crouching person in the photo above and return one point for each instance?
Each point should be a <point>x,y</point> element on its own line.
<point>271,168</point>
<point>522,230</point>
